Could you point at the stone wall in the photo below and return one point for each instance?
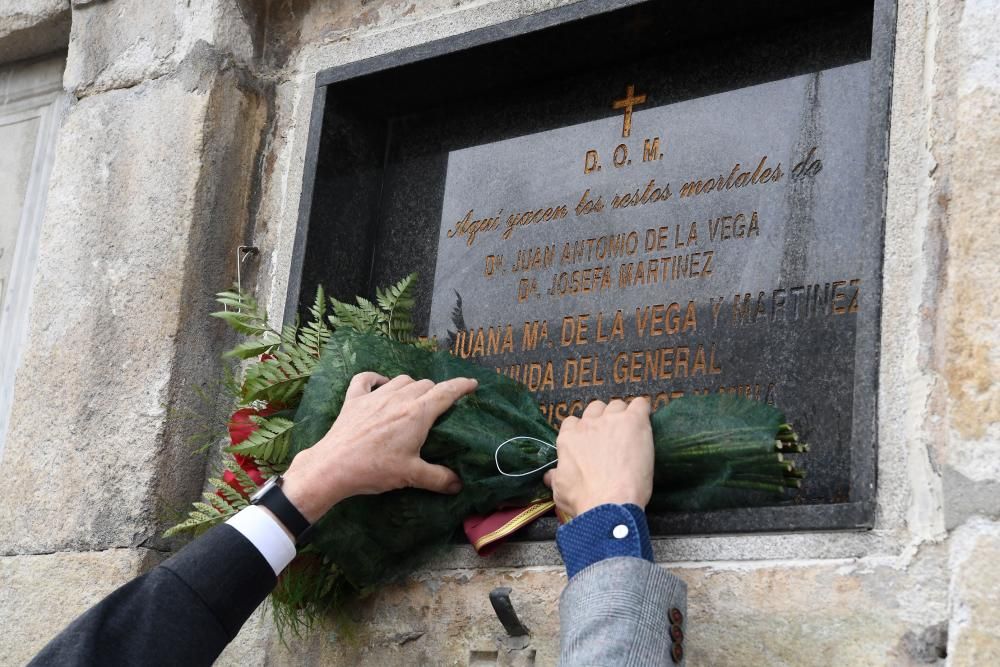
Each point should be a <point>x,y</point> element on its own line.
<point>185,137</point>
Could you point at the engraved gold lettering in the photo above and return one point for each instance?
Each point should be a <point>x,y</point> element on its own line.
<point>853,308</point>
<point>587,205</point>
<point>839,297</point>
<point>582,372</point>
<point>706,269</point>
<point>532,333</point>
<point>532,259</point>
<point>470,228</point>
<point>665,363</point>
<point>651,150</point>
<point>620,156</point>
<point>761,175</point>
<point>532,218</point>
<point>808,167</point>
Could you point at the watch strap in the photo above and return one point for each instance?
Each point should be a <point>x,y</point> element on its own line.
<point>274,499</point>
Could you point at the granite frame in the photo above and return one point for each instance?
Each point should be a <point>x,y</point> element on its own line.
<point>859,511</point>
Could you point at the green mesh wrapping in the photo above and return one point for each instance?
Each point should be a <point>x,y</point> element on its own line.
<point>711,451</point>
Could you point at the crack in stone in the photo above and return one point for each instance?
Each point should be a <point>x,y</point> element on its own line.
<point>54,552</point>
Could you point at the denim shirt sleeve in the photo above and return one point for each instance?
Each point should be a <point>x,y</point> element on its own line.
<point>606,531</point>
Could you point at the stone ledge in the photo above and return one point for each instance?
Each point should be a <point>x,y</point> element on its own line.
<point>40,595</point>
<point>30,28</point>
<point>791,613</point>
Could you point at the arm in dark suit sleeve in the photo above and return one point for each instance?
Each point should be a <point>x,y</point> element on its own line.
<point>183,612</point>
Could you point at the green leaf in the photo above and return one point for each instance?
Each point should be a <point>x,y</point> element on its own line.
<point>242,313</point>
<point>397,301</point>
<point>242,478</point>
<point>269,442</point>
<point>363,318</point>
<point>289,333</point>
<point>396,296</point>
<point>278,380</point>
<point>253,348</point>
<point>232,496</point>
<point>219,504</point>
<point>318,309</point>
<point>244,323</point>
<point>198,521</point>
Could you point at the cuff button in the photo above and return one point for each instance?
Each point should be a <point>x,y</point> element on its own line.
<point>676,633</point>
<point>677,652</point>
<point>620,531</point>
<point>676,617</point>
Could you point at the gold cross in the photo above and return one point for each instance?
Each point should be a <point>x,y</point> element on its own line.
<point>630,100</point>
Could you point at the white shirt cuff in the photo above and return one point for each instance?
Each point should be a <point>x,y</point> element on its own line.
<point>266,535</point>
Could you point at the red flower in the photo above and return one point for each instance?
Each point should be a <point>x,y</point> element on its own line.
<point>252,472</point>
<point>240,427</point>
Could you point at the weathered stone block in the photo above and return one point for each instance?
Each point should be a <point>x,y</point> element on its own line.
<point>435,619</point>
<point>821,613</point>
<point>971,317</point>
<point>146,206</point>
<point>40,595</point>
<point>974,631</point>
<point>119,44</point>
<point>817,613</point>
<point>122,43</point>
<point>30,28</point>
<point>251,645</point>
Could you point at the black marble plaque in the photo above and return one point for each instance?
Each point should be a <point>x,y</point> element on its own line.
<point>602,204</point>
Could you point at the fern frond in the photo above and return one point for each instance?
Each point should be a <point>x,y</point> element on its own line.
<point>396,296</point>
<point>318,309</point>
<point>313,340</point>
<point>205,515</point>
<point>400,326</point>
<point>369,307</point>
<point>243,301</point>
<point>289,333</point>
<point>280,379</point>
<point>242,478</point>
<point>269,442</point>
<point>390,315</point>
<point>198,520</point>
<point>314,335</point>
<point>254,348</point>
<point>242,322</point>
<point>220,505</point>
<point>231,495</point>
<point>397,302</point>
<point>242,313</point>
<point>363,318</point>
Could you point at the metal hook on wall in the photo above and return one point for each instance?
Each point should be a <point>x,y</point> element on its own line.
<point>504,608</point>
<point>242,253</point>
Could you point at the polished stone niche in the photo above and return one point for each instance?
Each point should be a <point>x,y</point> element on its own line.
<point>615,199</point>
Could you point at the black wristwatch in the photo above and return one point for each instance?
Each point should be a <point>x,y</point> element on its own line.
<point>274,499</point>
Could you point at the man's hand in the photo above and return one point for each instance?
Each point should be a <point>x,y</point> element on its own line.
<point>605,456</point>
<point>374,445</point>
